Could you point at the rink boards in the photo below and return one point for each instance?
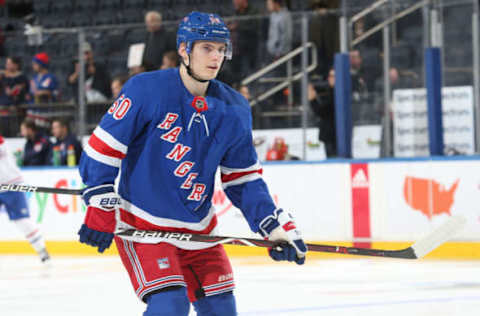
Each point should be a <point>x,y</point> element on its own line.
<point>377,203</point>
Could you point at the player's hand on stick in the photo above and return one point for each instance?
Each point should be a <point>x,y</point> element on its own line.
<point>99,224</point>
<point>281,227</point>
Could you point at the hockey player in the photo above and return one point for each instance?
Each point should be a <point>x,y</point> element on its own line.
<point>168,132</point>
<point>16,204</point>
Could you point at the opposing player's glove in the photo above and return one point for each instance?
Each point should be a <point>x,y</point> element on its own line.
<point>99,224</point>
<point>280,227</point>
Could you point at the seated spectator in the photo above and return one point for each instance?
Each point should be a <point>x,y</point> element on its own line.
<point>36,151</point>
<point>117,84</point>
<point>44,85</point>
<point>158,40</point>
<point>170,60</point>
<point>13,92</point>
<point>66,143</point>
<point>97,78</point>
<point>398,80</point>
<point>14,82</point>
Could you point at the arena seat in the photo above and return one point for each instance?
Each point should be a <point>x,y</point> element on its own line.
<point>61,7</point>
<point>86,6</point>
<point>41,7</point>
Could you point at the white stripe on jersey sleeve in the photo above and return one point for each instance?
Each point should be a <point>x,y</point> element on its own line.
<point>95,155</point>
<point>108,139</point>
<point>226,170</point>
<point>246,178</point>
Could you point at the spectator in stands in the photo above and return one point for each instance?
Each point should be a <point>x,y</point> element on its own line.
<point>323,31</point>
<point>97,77</point>
<point>36,151</point>
<point>67,144</point>
<point>245,38</point>
<point>117,84</point>
<point>398,80</point>
<point>158,40</point>
<point>322,103</point>
<point>355,62</point>
<point>359,86</point>
<point>44,85</point>
<point>14,88</point>
<point>364,24</point>
<point>280,30</point>
<point>14,83</point>
<point>170,60</point>
<point>244,91</point>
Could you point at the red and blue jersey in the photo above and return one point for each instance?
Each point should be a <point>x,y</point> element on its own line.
<point>47,82</point>
<point>168,146</point>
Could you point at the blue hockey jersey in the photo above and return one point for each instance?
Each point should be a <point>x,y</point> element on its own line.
<point>169,145</point>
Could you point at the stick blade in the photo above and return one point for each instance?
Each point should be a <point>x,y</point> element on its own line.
<point>440,235</point>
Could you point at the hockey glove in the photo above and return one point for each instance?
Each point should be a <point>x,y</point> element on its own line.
<point>280,227</point>
<point>99,224</point>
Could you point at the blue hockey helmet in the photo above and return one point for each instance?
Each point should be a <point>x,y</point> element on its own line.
<point>199,26</point>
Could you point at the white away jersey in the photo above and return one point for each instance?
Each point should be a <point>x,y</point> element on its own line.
<point>9,172</point>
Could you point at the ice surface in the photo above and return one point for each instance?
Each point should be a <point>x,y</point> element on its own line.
<point>98,286</point>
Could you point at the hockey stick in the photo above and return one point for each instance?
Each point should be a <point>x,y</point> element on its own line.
<point>416,251</point>
<point>32,188</point>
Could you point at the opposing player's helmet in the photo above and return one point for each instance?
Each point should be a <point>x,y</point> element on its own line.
<point>199,26</point>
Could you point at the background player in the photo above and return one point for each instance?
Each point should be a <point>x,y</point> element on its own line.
<point>169,131</point>
<point>16,204</point>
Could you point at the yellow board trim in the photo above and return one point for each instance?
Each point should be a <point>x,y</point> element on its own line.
<point>450,250</point>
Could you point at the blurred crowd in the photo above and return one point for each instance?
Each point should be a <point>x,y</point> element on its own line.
<point>40,150</point>
<point>258,38</point>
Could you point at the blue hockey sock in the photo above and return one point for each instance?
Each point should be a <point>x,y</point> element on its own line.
<point>168,303</point>
<point>216,305</point>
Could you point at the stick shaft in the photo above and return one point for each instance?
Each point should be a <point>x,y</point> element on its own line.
<point>33,188</point>
<point>159,236</point>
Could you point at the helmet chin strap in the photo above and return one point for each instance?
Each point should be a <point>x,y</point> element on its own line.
<point>190,72</point>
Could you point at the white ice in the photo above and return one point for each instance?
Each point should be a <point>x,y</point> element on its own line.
<point>98,286</point>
